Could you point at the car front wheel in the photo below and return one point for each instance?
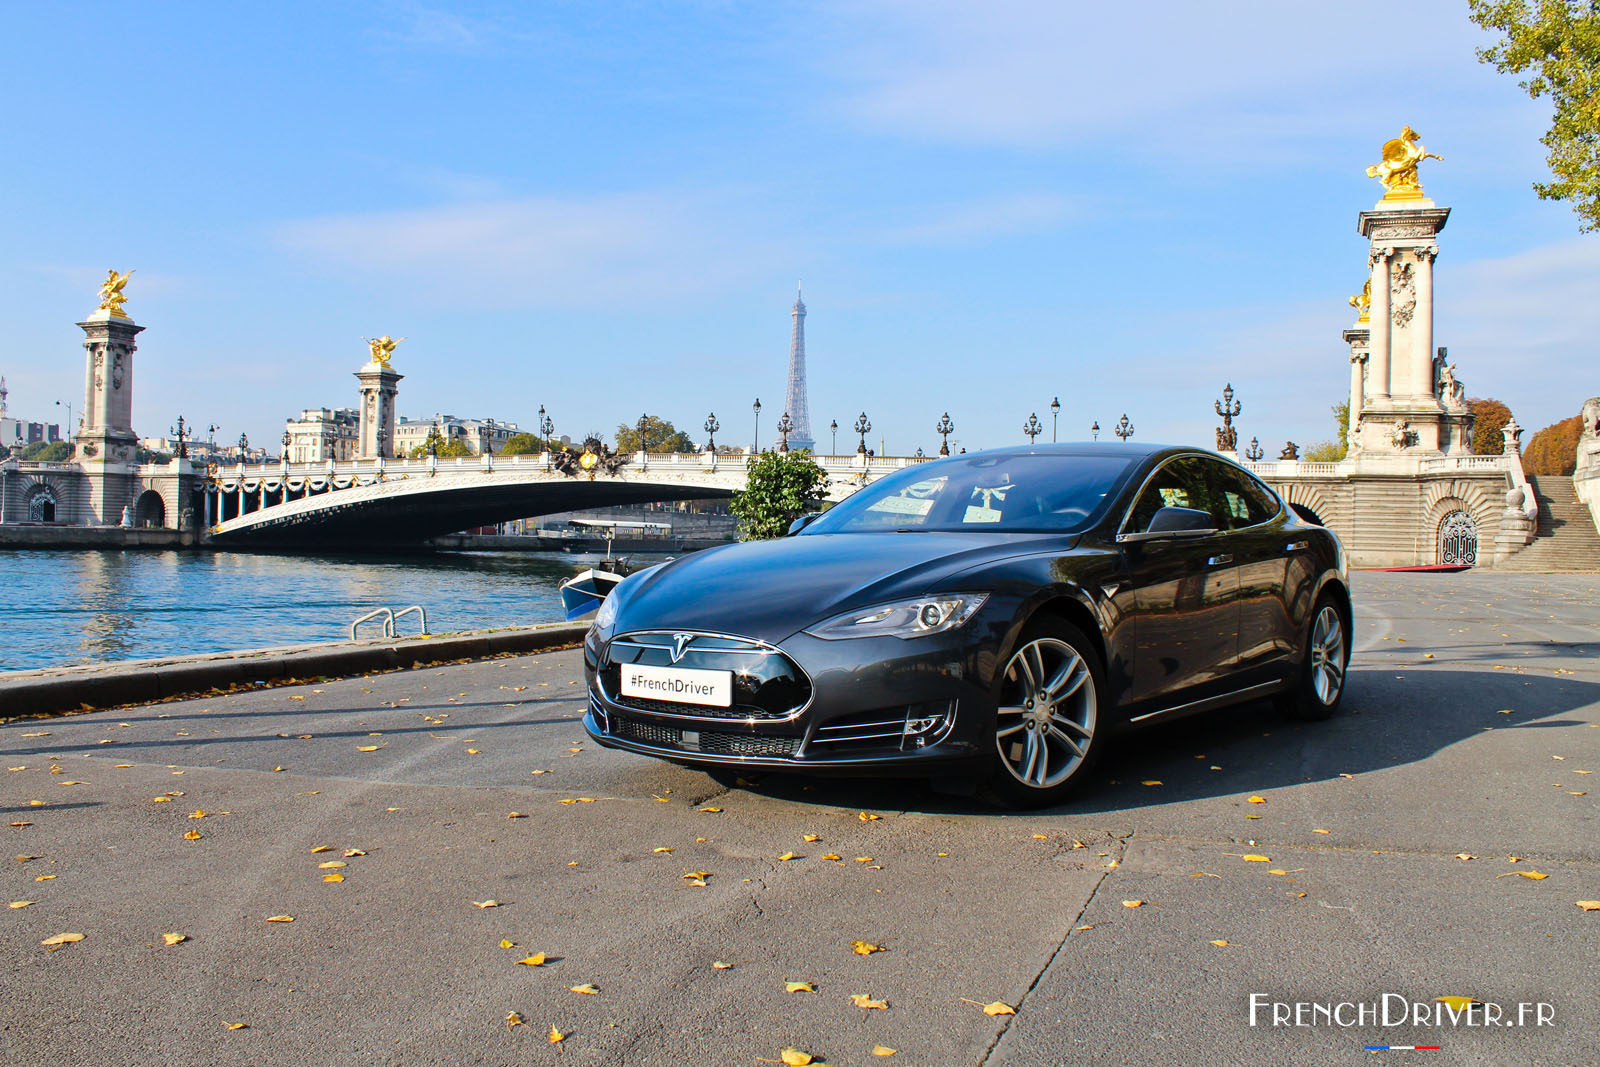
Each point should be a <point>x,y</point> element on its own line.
<point>1319,684</point>
<point>1048,725</point>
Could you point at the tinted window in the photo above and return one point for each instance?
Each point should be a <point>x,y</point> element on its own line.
<point>1028,492</point>
<point>1179,484</point>
<point>1241,499</point>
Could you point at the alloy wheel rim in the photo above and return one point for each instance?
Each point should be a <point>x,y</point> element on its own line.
<point>1046,719</point>
<point>1327,655</point>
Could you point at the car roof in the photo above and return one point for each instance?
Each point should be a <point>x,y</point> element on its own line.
<point>1126,450</point>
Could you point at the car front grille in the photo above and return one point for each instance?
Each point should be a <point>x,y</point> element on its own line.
<point>767,684</point>
<point>711,742</point>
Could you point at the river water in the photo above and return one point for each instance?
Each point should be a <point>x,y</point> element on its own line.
<point>64,607</point>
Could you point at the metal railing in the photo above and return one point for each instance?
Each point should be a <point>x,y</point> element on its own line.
<point>389,617</point>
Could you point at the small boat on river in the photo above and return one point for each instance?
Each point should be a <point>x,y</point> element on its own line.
<point>583,592</point>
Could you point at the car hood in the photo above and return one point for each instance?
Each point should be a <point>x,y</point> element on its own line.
<point>769,590</point>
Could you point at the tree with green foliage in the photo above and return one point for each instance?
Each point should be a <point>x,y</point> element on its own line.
<point>659,436</point>
<point>48,451</point>
<point>1554,449</point>
<point>451,449</point>
<point>1558,42</point>
<point>1332,451</point>
<point>1489,418</point>
<point>782,487</point>
<point>522,444</point>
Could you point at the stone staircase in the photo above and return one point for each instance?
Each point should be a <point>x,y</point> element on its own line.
<point>1566,539</point>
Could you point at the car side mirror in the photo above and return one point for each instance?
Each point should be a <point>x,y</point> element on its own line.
<point>1170,524</point>
<point>800,524</point>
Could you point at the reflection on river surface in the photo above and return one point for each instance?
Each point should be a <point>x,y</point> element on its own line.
<point>97,606</point>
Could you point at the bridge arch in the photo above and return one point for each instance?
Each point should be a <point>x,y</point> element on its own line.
<point>150,509</point>
<point>40,502</point>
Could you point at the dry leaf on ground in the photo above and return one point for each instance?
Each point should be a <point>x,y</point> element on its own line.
<point>535,960</point>
<point>61,939</point>
<point>865,948</point>
<point>799,987</point>
<point>280,918</point>
<point>174,939</point>
<point>863,1000</point>
<point>513,1019</point>
<point>586,988</point>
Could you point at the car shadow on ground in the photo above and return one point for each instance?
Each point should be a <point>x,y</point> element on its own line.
<point>1389,718</point>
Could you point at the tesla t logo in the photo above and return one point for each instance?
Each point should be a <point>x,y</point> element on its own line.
<point>679,643</point>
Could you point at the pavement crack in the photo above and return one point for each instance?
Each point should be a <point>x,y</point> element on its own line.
<point>1077,920</point>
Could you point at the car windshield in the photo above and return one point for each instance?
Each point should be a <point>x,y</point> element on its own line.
<point>1011,492</point>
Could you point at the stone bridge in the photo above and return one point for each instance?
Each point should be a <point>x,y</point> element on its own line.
<point>384,501</point>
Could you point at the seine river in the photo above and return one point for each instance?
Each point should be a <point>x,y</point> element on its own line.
<point>64,607</point>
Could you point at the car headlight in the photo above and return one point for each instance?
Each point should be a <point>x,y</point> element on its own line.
<point>605,618</point>
<point>915,617</point>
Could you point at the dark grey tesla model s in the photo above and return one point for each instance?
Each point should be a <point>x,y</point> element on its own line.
<point>1000,615</point>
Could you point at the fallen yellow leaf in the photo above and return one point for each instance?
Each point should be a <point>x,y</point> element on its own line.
<point>711,810</point>
<point>1258,800</point>
<point>352,852</point>
<point>862,1000</point>
<point>799,987</point>
<point>370,748</point>
<point>1253,858</point>
<point>44,878</point>
<point>999,1007</point>
<point>535,960</point>
<point>280,918</point>
<point>1220,942</point>
<point>199,813</point>
<point>833,856</point>
<point>174,939</point>
<point>333,878</point>
<point>1040,837</point>
<point>698,875</point>
<point>863,859</point>
<point>1133,903</point>
<point>661,850</point>
<point>883,1050</point>
<point>787,856</point>
<point>865,948</point>
<point>1277,870</point>
<point>238,1026</point>
<point>1586,905</point>
<point>1322,831</point>
<point>513,1019</point>
<point>507,943</point>
<point>25,903</point>
<point>1151,781</point>
<point>867,816</point>
<point>556,1035</point>
<point>485,903</point>
<point>793,1057</point>
<point>1457,1003</point>
<point>585,988</point>
<point>322,848</point>
<point>809,837</point>
<point>331,864</point>
<point>161,800</point>
<point>62,939</point>
<point>192,835</point>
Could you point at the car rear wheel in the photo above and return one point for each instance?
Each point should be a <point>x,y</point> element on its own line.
<point>1319,685</point>
<point>1048,727</point>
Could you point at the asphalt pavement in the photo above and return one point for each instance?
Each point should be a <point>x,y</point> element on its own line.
<point>1229,875</point>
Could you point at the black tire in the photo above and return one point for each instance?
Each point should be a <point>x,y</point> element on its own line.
<point>1319,683</point>
<point>1044,749</point>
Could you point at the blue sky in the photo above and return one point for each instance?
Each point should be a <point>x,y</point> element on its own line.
<point>603,209</point>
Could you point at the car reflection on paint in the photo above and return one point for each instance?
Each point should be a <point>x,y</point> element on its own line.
<point>998,614</point>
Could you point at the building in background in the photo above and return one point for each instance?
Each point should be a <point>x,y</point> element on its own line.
<point>321,434</point>
<point>797,403</point>
<point>19,433</point>
<point>480,436</point>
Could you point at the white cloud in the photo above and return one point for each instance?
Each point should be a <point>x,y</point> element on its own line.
<point>545,251</point>
<point>1042,72</point>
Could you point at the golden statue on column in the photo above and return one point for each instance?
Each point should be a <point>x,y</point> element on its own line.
<point>111,297</point>
<point>1398,171</point>
<point>382,348</point>
<point>1362,302</point>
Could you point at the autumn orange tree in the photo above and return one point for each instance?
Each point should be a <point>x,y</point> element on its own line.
<point>1489,418</point>
<point>1554,449</point>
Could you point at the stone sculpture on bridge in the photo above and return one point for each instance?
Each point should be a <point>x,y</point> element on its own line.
<point>382,348</point>
<point>1398,170</point>
<point>111,295</point>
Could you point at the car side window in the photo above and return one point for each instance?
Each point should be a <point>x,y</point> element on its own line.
<point>1240,499</point>
<point>1179,484</point>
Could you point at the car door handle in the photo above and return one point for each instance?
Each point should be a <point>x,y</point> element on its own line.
<point>1298,546</point>
<point>1217,561</point>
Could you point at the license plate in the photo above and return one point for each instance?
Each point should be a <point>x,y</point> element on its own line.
<point>711,688</point>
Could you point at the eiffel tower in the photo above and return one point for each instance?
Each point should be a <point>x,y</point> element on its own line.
<point>795,402</point>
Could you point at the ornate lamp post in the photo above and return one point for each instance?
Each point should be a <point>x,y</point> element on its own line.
<point>287,440</point>
<point>756,407</point>
<point>244,446</point>
<point>1254,452</point>
<point>944,430</point>
<point>1094,431</point>
<point>1055,410</point>
<point>785,424</point>
<point>919,453</point>
<point>863,427</point>
<point>182,435</point>
<point>1227,407</point>
<point>547,426</point>
<point>712,426</point>
<point>71,432</point>
<point>1032,427</point>
<point>644,421</point>
<point>1124,428</point>
<point>834,428</point>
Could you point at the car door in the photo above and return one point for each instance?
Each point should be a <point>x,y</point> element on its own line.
<point>1262,547</point>
<point>1184,594</point>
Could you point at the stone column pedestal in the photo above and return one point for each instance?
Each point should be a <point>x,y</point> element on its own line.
<point>107,447</point>
<point>380,383</point>
<point>1515,528</point>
